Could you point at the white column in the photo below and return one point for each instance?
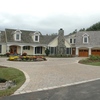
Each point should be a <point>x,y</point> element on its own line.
<point>33,50</point>
<point>21,50</point>
<point>71,50</point>
<point>77,51</point>
<point>7,48</point>
<point>89,51</point>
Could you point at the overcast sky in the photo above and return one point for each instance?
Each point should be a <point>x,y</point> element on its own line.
<point>48,16</point>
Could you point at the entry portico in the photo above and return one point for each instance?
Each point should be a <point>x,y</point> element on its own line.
<point>30,50</point>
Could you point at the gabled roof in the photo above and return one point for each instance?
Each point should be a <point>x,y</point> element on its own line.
<point>46,39</point>
<point>94,38</point>
<point>27,38</point>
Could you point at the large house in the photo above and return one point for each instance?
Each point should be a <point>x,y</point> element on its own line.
<point>17,41</point>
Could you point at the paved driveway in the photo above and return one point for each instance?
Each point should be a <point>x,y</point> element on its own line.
<point>85,91</point>
<point>53,72</point>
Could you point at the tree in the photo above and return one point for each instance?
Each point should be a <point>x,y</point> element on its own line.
<point>83,29</point>
<point>47,51</point>
<point>94,27</point>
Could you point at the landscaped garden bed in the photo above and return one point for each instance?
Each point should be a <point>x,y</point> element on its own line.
<point>26,58</point>
<point>92,60</point>
<point>10,80</point>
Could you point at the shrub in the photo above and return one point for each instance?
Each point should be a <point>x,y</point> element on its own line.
<point>24,54</point>
<point>7,54</point>
<point>12,58</point>
<point>47,51</point>
<point>94,57</point>
<point>2,80</point>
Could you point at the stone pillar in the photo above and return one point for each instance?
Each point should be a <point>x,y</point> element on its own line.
<point>89,51</point>
<point>77,51</point>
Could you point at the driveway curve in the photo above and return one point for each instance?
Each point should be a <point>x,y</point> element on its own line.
<point>54,72</point>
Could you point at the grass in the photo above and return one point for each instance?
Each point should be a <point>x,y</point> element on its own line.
<point>14,75</point>
<point>94,63</point>
<point>92,60</point>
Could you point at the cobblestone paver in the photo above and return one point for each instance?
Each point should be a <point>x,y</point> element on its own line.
<point>54,72</point>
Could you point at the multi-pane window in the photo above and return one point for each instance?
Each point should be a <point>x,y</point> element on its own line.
<point>52,50</point>
<point>38,50</point>
<point>26,47</point>
<point>68,50</point>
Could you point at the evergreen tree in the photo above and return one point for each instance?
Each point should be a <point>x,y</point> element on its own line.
<point>94,27</point>
<point>47,51</point>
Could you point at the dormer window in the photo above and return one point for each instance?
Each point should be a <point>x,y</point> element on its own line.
<point>36,38</point>
<point>85,38</point>
<point>17,35</point>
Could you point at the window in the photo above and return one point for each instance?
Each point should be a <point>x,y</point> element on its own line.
<point>38,50</point>
<point>17,36</point>
<point>85,39</point>
<point>0,48</point>
<point>70,40</point>
<point>26,47</point>
<point>52,50</point>
<point>36,38</point>
<point>68,50</point>
<point>74,40</point>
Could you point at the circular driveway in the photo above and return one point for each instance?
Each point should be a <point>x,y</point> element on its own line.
<point>53,72</point>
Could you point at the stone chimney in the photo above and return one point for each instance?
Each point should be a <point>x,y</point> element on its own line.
<point>61,48</point>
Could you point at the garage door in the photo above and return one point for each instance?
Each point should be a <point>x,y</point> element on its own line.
<point>95,52</point>
<point>83,53</point>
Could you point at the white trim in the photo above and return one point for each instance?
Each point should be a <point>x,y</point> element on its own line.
<point>85,35</point>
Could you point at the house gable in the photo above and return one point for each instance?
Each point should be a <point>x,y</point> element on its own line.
<point>54,42</point>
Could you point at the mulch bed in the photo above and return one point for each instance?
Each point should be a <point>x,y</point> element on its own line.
<point>3,67</point>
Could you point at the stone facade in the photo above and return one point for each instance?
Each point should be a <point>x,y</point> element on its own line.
<point>61,48</point>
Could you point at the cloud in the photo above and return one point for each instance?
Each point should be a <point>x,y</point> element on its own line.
<point>48,24</point>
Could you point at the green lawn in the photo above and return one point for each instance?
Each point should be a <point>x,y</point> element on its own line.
<point>14,75</point>
<point>94,63</point>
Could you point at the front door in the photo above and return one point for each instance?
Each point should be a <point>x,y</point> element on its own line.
<point>13,49</point>
<point>73,51</point>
